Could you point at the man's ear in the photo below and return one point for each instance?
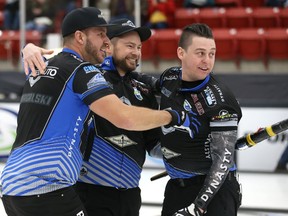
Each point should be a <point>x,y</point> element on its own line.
<point>180,52</point>
<point>79,37</point>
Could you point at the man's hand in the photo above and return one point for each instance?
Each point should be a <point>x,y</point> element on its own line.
<point>178,117</point>
<point>185,120</point>
<point>33,58</point>
<point>191,210</point>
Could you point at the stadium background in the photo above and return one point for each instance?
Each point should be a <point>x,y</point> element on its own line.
<point>260,85</point>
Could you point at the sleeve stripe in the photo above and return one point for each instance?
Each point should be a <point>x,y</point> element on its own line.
<point>224,124</point>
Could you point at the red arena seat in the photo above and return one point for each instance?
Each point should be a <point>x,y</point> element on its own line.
<point>284,17</point>
<point>186,16</point>
<point>10,43</point>
<point>277,43</point>
<point>239,17</point>
<point>166,43</point>
<point>226,43</point>
<point>4,45</point>
<point>213,17</point>
<point>251,44</point>
<point>148,46</point>
<point>179,3</point>
<point>266,17</point>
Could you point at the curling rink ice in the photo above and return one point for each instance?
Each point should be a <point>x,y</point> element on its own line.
<point>263,194</point>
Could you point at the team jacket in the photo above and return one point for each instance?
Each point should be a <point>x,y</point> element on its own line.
<point>48,152</point>
<point>117,155</point>
<point>213,108</point>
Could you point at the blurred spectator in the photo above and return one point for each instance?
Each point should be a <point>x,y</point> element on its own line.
<point>11,15</point>
<point>62,8</point>
<point>122,9</point>
<point>39,15</point>
<point>277,3</point>
<point>126,9</point>
<point>161,14</point>
<point>198,3</point>
<point>69,5</point>
<point>66,6</point>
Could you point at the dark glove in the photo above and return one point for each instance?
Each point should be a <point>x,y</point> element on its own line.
<point>178,118</point>
<point>185,120</point>
<point>191,210</point>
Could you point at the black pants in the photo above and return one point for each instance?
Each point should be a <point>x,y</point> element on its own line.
<point>109,201</point>
<point>63,202</point>
<point>180,194</point>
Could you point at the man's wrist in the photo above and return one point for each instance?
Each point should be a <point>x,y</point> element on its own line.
<point>175,118</point>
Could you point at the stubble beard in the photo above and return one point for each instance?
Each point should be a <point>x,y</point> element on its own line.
<point>95,56</point>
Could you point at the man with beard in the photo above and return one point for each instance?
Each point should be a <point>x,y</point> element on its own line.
<point>111,174</point>
<point>54,117</point>
<point>109,180</point>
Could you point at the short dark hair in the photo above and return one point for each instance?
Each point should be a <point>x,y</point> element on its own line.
<point>196,29</point>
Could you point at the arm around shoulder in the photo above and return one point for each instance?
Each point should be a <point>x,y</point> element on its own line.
<point>127,117</point>
<point>32,56</point>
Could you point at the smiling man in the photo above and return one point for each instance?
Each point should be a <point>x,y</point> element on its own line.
<point>111,173</point>
<point>54,118</point>
<point>109,179</point>
<point>199,159</point>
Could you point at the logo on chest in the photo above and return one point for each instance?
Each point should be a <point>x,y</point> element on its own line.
<point>197,104</point>
<point>137,94</point>
<point>209,97</point>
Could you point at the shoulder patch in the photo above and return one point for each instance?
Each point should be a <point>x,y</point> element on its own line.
<point>96,80</point>
<point>90,68</point>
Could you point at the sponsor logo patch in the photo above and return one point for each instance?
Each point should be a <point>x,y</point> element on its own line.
<point>137,94</point>
<point>98,78</point>
<point>224,115</point>
<point>167,153</point>
<point>209,97</point>
<point>121,140</point>
<point>165,92</point>
<point>90,68</point>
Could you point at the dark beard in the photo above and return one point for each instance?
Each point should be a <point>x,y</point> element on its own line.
<point>93,52</point>
<point>121,63</point>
